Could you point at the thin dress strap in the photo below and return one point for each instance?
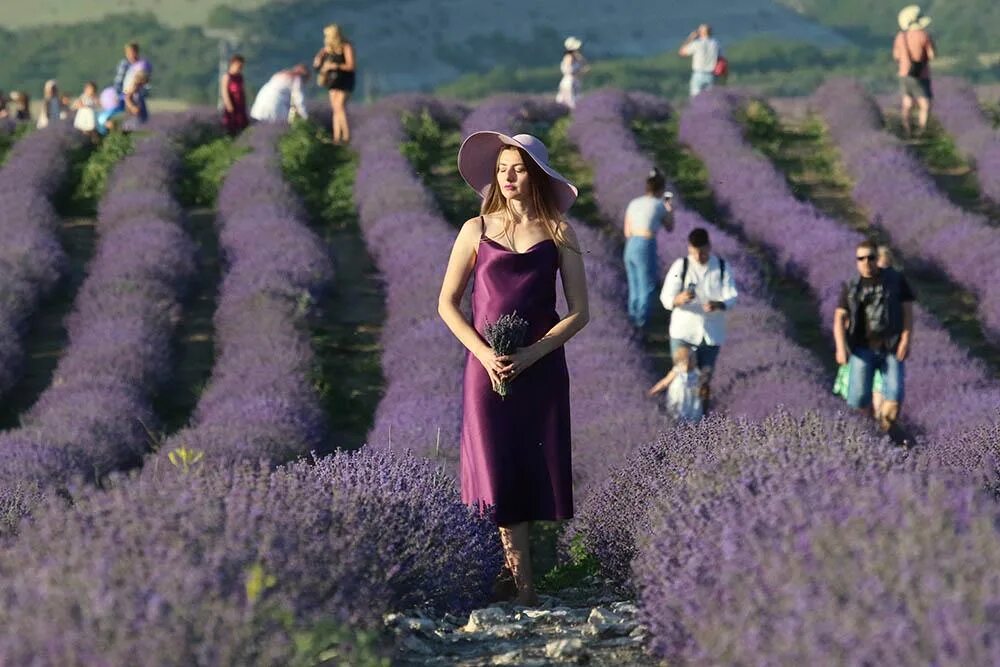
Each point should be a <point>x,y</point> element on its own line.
<point>482,228</point>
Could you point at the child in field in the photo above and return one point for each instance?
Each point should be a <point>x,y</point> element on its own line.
<point>86,107</point>
<point>681,385</point>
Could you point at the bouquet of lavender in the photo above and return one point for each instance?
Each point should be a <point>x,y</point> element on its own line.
<point>505,336</point>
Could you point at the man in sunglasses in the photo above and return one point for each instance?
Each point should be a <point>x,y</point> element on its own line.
<point>873,329</point>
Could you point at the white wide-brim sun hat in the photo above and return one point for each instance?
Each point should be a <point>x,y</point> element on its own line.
<point>572,43</point>
<point>477,162</point>
<point>910,18</point>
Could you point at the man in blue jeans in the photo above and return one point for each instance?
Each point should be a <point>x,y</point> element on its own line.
<point>698,291</point>
<point>873,329</point>
<point>703,50</point>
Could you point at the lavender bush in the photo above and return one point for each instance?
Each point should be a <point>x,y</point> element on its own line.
<point>512,114</point>
<point>31,257</point>
<point>410,242</point>
<point>96,415</point>
<point>818,249</point>
<point>901,197</point>
<point>259,403</point>
<point>957,108</point>
<point>238,565</point>
<point>825,564</point>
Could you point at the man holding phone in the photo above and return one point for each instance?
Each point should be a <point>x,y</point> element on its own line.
<point>699,290</point>
<point>643,217</point>
<point>704,52</point>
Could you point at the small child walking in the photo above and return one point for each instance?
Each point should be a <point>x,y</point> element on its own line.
<point>681,385</point>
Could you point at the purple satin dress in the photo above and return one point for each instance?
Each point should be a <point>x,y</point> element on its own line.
<point>516,451</point>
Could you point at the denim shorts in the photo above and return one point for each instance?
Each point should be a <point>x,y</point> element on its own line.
<point>862,366</point>
<point>705,355</point>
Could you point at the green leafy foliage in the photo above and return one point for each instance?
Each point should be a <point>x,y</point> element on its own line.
<point>204,168</point>
<point>8,140</point>
<point>969,25</point>
<point>184,60</point>
<point>320,172</point>
<point>89,178</point>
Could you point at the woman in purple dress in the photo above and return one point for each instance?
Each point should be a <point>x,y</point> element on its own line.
<point>515,452</point>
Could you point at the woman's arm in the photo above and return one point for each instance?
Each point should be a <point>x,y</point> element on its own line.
<point>227,101</point>
<point>318,58</point>
<point>456,279</point>
<point>348,65</point>
<point>574,280</point>
<point>627,229</point>
<point>130,104</point>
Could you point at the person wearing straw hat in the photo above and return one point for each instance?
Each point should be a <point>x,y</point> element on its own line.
<point>515,444</point>
<point>913,49</point>
<point>573,66</point>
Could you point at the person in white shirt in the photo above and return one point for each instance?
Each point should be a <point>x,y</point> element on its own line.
<point>281,95</point>
<point>682,384</point>
<point>698,290</point>
<point>703,50</point>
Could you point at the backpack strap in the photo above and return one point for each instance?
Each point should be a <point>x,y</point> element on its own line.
<point>722,269</point>
<point>684,271</point>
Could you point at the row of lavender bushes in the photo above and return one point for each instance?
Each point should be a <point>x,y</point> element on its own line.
<point>96,415</point>
<point>902,198</point>
<point>799,538</point>
<point>217,559</point>
<point>761,368</point>
<point>410,242</point>
<point>819,249</point>
<point>31,257</point>
<point>605,407</point>
<point>956,106</point>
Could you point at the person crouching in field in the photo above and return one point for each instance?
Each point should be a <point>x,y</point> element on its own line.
<point>873,330</point>
<point>281,97</point>
<point>682,385</point>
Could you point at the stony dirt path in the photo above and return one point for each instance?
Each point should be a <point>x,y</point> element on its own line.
<point>579,626</point>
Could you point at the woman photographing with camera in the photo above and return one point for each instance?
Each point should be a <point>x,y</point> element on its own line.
<point>642,218</point>
<point>334,65</point>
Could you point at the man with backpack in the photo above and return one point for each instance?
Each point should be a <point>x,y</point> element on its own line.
<point>913,49</point>
<point>873,330</point>
<point>699,289</point>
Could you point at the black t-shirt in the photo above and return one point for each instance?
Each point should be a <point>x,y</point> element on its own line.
<point>862,336</point>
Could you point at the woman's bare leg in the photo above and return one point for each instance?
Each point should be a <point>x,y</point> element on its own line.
<point>517,550</point>
<point>905,112</point>
<point>340,116</point>
<point>333,114</point>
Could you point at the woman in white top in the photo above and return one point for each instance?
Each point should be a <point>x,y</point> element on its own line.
<point>281,96</point>
<point>573,66</point>
<point>643,217</point>
<point>52,106</point>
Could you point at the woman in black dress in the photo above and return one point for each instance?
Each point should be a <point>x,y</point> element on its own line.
<point>334,65</point>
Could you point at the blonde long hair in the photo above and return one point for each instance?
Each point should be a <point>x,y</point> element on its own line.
<point>543,199</point>
<point>333,38</point>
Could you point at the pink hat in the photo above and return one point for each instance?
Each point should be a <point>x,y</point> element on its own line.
<point>477,162</point>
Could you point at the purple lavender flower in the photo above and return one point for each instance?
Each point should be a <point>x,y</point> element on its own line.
<point>505,336</point>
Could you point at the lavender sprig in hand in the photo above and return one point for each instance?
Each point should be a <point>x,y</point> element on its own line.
<point>505,336</point>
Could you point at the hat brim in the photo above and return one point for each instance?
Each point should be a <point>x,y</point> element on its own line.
<point>477,159</point>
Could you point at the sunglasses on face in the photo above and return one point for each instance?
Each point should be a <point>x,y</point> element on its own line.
<point>866,258</point>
